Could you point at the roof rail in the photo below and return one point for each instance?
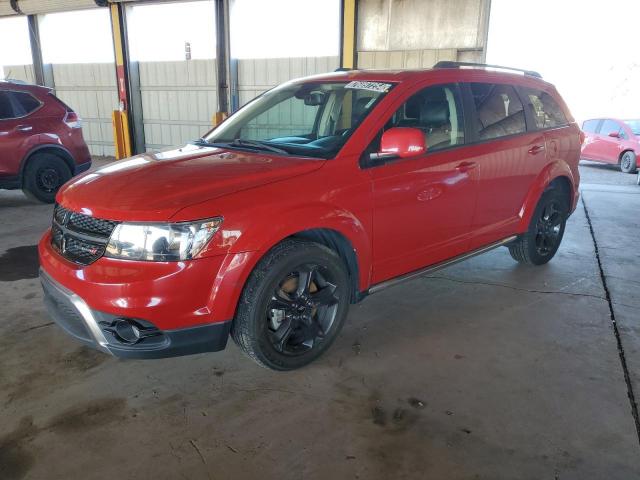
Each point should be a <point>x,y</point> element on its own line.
<point>343,69</point>
<point>451,64</point>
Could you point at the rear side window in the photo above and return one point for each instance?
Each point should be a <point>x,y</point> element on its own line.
<point>499,111</point>
<point>547,113</point>
<point>6,110</point>
<point>17,104</point>
<point>24,103</point>
<point>590,126</point>
<point>610,126</point>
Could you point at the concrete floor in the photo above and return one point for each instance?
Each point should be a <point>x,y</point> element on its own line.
<point>486,370</point>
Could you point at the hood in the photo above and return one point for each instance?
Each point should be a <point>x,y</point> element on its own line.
<point>155,186</point>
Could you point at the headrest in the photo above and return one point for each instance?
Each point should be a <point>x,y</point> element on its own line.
<point>434,114</point>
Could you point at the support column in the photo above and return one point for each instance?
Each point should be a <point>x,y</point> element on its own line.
<point>223,62</point>
<point>43,73</point>
<point>348,30</point>
<point>128,129</point>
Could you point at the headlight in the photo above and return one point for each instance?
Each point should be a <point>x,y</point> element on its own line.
<point>163,242</point>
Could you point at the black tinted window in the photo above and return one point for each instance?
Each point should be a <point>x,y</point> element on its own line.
<point>590,126</point>
<point>609,126</point>
<point>437,111</point>
<point>6,110</point>
<point>547,113</point>
<point>23,103</point>
<point>499,111</point>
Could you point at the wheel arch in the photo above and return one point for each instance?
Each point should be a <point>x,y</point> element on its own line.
<point>53,149</point>
<point>625,151</point>
<point>558,175</point>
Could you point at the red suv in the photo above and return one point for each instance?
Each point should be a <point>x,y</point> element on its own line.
<point>608,140</point>
<point>41,144</point>
<point>314,195</point>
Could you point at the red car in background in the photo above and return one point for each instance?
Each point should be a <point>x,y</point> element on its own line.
<point>608,140</point>
<point>41,143</point>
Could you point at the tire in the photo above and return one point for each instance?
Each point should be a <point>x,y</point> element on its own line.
<point>276,323</point>
<point>541,241</point>
<point>628,162</point>
<point>44,175</point>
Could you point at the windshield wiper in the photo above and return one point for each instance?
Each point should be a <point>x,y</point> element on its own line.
<point>240,142</point>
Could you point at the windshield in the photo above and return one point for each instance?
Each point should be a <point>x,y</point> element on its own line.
<point>310,119</point>
<point>634,125</point>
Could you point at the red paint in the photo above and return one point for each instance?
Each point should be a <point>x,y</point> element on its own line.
<point>403,142</point>
<point>398,216</point>
<point>45,126</point>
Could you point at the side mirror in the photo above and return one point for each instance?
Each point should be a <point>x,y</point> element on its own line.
<point>402,142</point>
<point>614,134</point>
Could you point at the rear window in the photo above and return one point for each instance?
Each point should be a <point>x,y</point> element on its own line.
<point>499,111</point>
<point>547,113</point>
<point>590,126</point>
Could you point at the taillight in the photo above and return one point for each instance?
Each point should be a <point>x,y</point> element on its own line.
<point>72,119</point>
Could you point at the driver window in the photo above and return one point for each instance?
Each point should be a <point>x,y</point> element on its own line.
<point>437,111</point>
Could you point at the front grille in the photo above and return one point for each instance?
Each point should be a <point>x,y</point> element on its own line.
<point>64,312</point>
<point>78,237</point>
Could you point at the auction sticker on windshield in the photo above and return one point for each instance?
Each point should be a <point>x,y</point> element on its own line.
<point>373,86</point>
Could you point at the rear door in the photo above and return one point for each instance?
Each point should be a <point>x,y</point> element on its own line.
<point>508,158</point>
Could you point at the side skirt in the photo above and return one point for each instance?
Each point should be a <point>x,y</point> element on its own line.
<point>433,268</point>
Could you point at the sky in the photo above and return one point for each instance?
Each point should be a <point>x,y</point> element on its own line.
<point>587,48</point>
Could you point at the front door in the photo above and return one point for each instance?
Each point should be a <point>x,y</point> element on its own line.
<point>423,206</point>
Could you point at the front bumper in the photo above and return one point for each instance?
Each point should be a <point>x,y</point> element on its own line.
<point>94,328</point>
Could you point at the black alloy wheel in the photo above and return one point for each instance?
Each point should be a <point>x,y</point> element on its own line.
<point>549,227</point>
<point>293,305</point>
<point>302,309</point>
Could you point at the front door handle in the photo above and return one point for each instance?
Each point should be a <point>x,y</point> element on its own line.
<point>536,149</point>
<point>466,166</point>
<point>24,128</point>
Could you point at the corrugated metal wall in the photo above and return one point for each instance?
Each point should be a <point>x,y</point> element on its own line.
<point>90,89</point>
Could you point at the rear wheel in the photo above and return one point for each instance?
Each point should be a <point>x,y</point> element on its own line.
<point>546,229</point>
<point>628,162</point>
<point>44,175</point>
<point>293,306</point>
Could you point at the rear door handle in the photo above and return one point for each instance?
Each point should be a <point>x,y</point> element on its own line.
<point>536,149</point>
<point>24,128</point>
<point>466,166</point>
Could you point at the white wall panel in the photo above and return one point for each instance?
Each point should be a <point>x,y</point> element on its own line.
<point>19,72</point>
<point>179,100</point>
<point>385,60</point>
<point>90,89</point>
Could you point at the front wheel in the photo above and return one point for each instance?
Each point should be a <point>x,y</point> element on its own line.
<point>628,162</point>
<point>293,306</point>
<point>541,241</point>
